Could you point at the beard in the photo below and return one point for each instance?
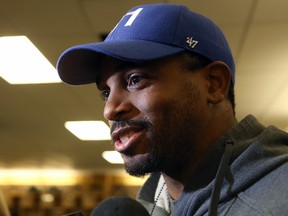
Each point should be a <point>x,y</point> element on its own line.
<point>172,142</point>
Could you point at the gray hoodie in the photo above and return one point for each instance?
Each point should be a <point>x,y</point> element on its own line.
<point>245,173</point>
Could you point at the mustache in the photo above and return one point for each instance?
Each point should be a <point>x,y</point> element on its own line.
<point>124,123</point>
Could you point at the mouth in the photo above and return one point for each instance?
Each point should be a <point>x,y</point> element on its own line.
<point>127,139</point>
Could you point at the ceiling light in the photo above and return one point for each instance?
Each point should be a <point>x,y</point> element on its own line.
<point>22,63</point>
<point>89,130</point>
<point>113,157</point>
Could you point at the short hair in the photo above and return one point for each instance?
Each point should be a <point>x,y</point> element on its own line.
<point>196,61</point>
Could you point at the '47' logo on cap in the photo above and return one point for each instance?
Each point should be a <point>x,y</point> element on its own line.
<point>192,43</point>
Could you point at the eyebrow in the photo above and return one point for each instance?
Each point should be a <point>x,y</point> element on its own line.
<point>122,66</point>
<point>129,65</point>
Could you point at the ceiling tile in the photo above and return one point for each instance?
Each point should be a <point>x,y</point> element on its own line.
<point>102,17</point>
<point>271,11</point>
<point>221,11</point>
<point>266,47</point>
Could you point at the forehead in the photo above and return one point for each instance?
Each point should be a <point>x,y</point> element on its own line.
<point>109,65</point>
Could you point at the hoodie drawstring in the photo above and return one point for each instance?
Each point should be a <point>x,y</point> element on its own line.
<point>224,164</point>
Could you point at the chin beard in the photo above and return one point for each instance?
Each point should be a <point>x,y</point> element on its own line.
<point>142,166</point>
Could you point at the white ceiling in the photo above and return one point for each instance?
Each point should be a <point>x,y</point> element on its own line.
<point>32,132</point>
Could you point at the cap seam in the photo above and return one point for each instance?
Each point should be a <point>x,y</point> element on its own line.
<point>177,25</point>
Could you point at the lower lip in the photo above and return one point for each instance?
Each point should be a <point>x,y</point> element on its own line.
<point>132,143</point>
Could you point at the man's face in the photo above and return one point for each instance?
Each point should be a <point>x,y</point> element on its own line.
<point>155,113</point>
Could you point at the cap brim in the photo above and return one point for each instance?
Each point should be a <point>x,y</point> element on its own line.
<point>80,64</point>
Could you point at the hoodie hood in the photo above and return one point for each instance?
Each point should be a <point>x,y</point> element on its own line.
<point>256,152</point>
<point>239,159</point>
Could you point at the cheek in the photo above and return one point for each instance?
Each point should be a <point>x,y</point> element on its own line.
<point>181,99</point>
<point>151,105</point>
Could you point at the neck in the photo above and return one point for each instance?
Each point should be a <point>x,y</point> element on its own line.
<point>177,180</point>
<point>174,187</point>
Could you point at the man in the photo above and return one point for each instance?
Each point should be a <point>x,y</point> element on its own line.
<point>167,76</point>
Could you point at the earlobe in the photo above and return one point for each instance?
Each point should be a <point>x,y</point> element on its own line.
<point>219,77</point>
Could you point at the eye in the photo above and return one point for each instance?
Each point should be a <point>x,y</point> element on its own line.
<point>134,79</point>
<point>105,94</point>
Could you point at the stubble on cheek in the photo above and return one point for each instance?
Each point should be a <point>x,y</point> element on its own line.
<point>141,164</point>
<point>177,137</point>
<point>169,135</point>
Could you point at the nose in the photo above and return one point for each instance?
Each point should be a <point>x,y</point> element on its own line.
<point>117,105</point>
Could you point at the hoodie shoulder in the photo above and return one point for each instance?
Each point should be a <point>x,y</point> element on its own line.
<point>268,196</point>
<point>260,173</point>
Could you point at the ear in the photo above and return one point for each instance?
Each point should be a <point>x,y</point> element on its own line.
<point>219,77</point>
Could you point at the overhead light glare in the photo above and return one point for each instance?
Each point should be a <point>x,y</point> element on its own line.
<point>112,157</point>
<point>48,198</point>
<point>22,63</point>
<point>37,177</point>
<point>89,130</point>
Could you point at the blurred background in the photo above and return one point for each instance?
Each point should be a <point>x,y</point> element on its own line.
<point>44,168</point>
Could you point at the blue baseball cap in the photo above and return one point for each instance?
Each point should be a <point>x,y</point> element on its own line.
<point>146,33</point>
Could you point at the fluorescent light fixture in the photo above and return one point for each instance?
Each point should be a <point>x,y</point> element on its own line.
<point>22,63</point>
<point>89,130</point>
<point>112,157</point>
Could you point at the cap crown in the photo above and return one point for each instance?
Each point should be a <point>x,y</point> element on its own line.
<point>146,33</point>
<point>174,25</point>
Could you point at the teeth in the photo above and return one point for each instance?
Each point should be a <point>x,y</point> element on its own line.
<point>124,139</point>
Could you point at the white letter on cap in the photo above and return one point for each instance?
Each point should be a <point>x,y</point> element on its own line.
<point>133,17</point>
